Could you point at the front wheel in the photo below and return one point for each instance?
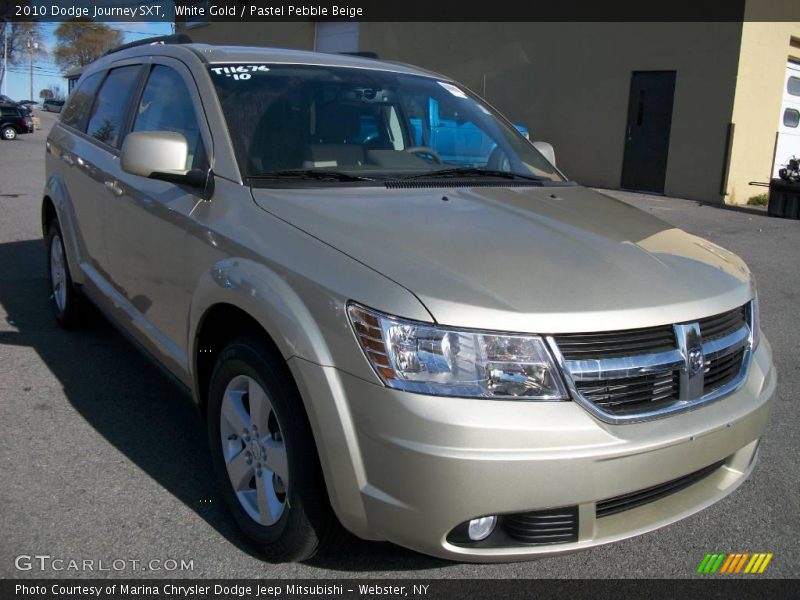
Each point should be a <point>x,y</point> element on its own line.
<point>264,454</point>
<point>9,133</point>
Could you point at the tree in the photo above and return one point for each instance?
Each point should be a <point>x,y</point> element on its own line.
<point>80,41</point>
<point>46,94</point>
<point>55,91</point>
<point>19,36</point>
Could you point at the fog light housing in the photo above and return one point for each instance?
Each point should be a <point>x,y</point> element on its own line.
<point>481,528</point>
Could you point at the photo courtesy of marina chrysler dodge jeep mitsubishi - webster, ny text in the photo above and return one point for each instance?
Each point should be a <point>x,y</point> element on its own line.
<point>423,336</point>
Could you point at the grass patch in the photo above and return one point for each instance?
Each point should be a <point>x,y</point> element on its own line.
<point>760,200</point>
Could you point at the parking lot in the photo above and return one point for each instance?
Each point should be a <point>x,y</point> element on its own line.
<point>102,459</point>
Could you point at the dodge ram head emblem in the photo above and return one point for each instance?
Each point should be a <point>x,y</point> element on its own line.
<point>695,360</point>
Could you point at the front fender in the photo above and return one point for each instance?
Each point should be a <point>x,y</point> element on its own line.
<point>269,299</point>
<point>266,297</point>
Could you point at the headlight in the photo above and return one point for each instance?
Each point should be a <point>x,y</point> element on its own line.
<point>427,359</point>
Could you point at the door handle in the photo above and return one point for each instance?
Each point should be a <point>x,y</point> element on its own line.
<point>67,159</point>
<point>114,187</point>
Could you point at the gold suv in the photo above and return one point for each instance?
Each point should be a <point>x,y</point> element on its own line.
<point>398,315</point>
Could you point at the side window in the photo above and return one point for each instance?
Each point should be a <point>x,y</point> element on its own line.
<point>108,116</point>
<point>166,105</point>
<point>80,102</point>
<point>793,86</point>
<point>791,117</point>
<point>8,111</point>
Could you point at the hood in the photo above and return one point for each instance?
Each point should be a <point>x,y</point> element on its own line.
<point>535,259</point>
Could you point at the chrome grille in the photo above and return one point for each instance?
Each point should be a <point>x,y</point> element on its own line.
<point>722,370</point>
<point>576,346</point>
<point>723,324</point>
<point>630,393</point>
<point>637,374</point>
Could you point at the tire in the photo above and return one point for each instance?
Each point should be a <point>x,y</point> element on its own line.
<point>264,454</point>
<point>66,300</point>
<point>8,133</point>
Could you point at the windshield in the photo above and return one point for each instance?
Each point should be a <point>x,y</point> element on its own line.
<point>326,122</point>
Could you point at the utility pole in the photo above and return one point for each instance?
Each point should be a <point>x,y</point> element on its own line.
<point>5,55</point>
<point>31,47</point>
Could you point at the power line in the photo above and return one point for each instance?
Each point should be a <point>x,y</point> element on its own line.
<point>25,72</point>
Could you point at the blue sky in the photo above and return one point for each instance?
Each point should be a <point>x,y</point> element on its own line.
<point>45,71</point>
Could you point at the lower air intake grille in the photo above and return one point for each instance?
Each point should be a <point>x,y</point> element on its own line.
<point>552,526</point>
<point>625,502</point>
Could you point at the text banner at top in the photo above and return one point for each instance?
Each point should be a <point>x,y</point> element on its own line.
<point>208,11</point>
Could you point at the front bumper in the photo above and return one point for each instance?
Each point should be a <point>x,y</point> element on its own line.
<point>410,468</point>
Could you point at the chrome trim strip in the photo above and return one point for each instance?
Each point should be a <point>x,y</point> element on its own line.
<point>726,345</point>
<point>628,366</point>
<point>691,395</point>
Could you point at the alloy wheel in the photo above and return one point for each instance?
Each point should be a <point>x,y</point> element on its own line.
<point>58,273</point>
<point>254,450</point>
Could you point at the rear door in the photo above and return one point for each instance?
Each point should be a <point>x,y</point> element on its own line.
<point>644,165</point>
<point>91,153</point>
<point>147,223</point>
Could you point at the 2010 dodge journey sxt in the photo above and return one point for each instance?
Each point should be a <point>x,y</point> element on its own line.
<point>397,314</point>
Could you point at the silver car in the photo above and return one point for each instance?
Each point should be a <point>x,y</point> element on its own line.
<point>400,318</point>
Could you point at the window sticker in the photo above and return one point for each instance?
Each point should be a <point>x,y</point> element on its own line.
<point>239,72</point>
<point>452,89</point>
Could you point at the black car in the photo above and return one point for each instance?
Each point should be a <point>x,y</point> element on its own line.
<point>29,105</point>
<point>14,121</point>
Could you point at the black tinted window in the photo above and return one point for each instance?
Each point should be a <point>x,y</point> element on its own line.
<point>108,114</point>
<point>166,105</point>
<point>8,111</point>
<point>80,102</point>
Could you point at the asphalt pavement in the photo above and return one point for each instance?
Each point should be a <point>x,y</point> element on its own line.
<point>102,460</point>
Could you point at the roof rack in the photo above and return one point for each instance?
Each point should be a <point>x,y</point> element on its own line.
<point>153,41</point>
<point>362,54</point>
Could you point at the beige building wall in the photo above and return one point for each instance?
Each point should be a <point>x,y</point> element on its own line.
<point>766,47</point>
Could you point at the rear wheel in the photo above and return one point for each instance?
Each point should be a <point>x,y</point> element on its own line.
<point>8,133</point>
<point>264,454</point>
<point>64,295</point>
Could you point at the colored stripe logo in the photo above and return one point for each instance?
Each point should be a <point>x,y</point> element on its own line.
<point>737,562</point>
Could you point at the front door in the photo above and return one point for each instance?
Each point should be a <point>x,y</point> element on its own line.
<point>147,224</point>
<point>644,165</point>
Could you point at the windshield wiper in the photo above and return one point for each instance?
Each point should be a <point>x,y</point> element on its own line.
<point>309,174</point>
<point>474,172</point>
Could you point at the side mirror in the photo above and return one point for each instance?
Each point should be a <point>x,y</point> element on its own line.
<point>547,151</point>
<point>159,155</point>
